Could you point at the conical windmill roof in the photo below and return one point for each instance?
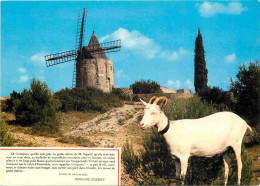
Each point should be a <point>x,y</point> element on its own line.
<point>94,41</point>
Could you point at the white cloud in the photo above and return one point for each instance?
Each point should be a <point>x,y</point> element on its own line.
<point>230,58</point>
<point>209,9</point>
<point>23,79</point>
<point>189,84</point>
<point>139,44</point>
<point>135,41</point>
<point>104,38</point>
<point>175,55</point>
<point>169,82</point>
<point>39,58</point>
<point>22,70</point>
<point>120,74</point>
<point>176,84</point>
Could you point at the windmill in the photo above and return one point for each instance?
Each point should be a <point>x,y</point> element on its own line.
<point>91,65</point>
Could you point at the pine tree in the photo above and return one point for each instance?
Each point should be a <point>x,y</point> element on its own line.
<point>201,72</point>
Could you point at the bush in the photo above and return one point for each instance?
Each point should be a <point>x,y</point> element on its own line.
<point>247,92</point>
<point>145,87</point>
<point>6,139</point>
<point>87,99</point>
<point>188,108</point>
<point>119,93</point>
<point>37,107</point>
<point>219,98</point>
<point>154,165</point>
<point>10,103</point>
<point>254,138</point>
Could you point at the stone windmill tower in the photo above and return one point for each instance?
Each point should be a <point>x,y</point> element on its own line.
<point>92,68</point>
<point>95,69</point>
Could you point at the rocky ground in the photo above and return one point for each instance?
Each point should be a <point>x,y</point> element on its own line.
<point>111,129</point>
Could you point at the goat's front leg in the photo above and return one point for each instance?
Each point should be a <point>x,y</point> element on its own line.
<point>177,167</point>
<point>184,166</point>
<point>227,161</point>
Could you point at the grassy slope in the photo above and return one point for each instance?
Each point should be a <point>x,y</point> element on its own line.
<point>254,154</point>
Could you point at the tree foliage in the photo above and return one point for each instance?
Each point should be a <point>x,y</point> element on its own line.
<point>201,72</point>
<point>36,107</point>
<point>219,98</point>
<point>246,90</point>
<point>145,87</point>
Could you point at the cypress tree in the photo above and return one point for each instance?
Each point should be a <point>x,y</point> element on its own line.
<point>201,72</point>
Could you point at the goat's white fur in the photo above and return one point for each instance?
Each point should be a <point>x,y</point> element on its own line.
<point>205,137</point>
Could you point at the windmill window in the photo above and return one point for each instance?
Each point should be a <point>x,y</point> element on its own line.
<point>111,68</point>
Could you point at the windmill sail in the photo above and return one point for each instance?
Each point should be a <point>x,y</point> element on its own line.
<point>79,40</point>
<point>62,57</point>
<point>107,47</point>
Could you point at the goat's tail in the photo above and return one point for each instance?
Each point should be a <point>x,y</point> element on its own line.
<point>249,128</point>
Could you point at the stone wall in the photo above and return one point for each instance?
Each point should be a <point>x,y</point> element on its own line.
<point>127,91</point>
<point>167,90</point>
<point>184,91</point>
<point>96,72</point>
<point>146,97</point>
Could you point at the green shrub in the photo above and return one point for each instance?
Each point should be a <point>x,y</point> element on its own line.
<point>219,98</point>
<point>6,139</point>
<point>247,92</point>
<point>119,93</point>
<point>37,107</point>
<point>254,137</point>
<point>188,108</point>
<point>12,101</point>
<point>154,165</point>
<point>145,87</point>
<point>87,99</point>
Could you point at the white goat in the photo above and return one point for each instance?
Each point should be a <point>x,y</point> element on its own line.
<point>205,137</point>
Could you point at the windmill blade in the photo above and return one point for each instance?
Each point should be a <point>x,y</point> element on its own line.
<point>81,28</point>
<point>107,47</point>
<point>62,57</point>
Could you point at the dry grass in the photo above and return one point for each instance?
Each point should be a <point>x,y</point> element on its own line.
<point>23,143</point>
<point>73,119</point>
<point>76,140</point>
<point>104,118</point>
<point>254,153</point>
<point>106,133</point>
<point>128,116</point>
<point>68,121</point>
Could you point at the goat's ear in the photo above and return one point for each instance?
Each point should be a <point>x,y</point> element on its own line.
<point>143,102</point>
<point>163,103</point>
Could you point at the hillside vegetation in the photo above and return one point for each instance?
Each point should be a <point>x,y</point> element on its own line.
<point>87,99</point>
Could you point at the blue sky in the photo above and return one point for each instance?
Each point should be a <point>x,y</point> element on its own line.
<point>158,40</point>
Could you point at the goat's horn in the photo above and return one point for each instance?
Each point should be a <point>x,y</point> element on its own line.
<point>161,98</point>
<point>151,100</point>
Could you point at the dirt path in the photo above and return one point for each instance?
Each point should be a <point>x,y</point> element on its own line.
<point>112,128</point>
